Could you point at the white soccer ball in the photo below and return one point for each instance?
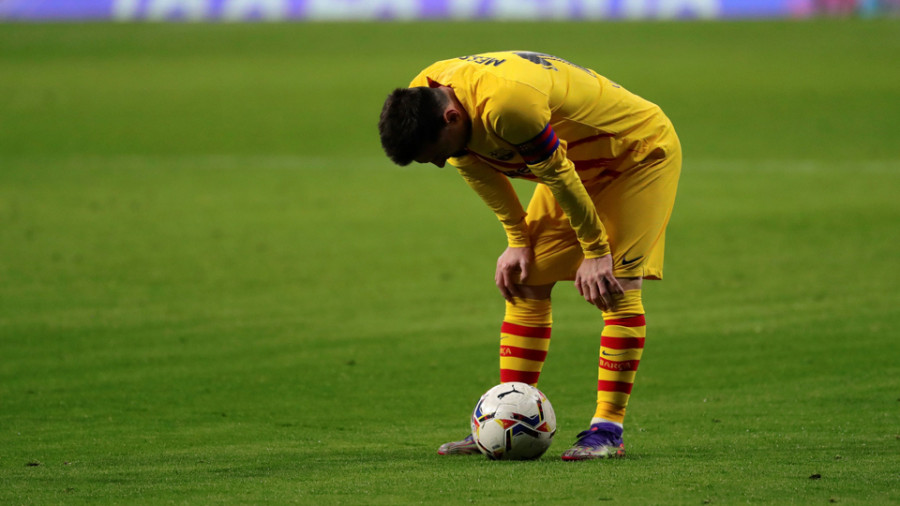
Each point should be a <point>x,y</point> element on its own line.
<point>513,421</point>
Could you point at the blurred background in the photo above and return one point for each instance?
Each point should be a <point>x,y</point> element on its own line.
<point>234,10</point>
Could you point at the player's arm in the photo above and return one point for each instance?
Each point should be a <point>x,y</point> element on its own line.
<point>497,192</point>
<point>522,117</point>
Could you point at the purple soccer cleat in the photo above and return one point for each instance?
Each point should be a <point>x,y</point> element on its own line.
<point>601,441</point>
<point>467,446</point>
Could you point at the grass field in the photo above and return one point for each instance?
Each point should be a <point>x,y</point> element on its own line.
<point>215,289</point>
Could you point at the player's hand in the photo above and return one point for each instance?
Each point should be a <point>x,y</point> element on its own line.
<point>597,284</point>
<point>512,269</point>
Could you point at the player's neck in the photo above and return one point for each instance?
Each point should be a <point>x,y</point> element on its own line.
<point>456,102</point>
<point>463,113</point>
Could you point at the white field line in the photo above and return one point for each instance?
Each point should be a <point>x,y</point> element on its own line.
<point>300,162</point>
<point>199,162</point>
<point>793,166</point>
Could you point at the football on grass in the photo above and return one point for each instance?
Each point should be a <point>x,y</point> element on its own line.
<point>513,421</point>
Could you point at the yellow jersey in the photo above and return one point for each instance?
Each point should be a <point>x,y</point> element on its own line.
<point>540,117</point>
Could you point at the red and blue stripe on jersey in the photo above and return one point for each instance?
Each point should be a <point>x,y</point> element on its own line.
<point>540,148</point>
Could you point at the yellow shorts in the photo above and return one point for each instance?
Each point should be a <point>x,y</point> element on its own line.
<point>634,207</point>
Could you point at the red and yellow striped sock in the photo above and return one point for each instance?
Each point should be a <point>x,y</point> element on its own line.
<point>524,340</point>
<point>621,346</point>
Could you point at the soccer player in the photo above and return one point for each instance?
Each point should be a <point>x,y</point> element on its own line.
<point>606,163</point>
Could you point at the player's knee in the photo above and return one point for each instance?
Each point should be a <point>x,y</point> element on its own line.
<point>631,283</point>
<point>536,291</point>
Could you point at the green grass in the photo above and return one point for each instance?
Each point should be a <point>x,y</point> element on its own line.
<point>214,288</point>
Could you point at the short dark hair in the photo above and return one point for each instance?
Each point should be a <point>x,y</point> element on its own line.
<point>410,119</point>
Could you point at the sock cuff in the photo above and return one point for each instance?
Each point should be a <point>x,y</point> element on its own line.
<point>529,312</point>
<point>630,304</point>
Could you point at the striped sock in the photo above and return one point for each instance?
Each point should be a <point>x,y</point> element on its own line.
<point>524,340</point>
<point>621,346</point>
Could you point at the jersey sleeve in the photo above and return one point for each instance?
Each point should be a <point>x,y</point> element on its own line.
<point>497,192</point>
<point>522,118</point>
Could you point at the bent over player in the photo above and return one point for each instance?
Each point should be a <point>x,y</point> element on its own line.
<point>606,163</point>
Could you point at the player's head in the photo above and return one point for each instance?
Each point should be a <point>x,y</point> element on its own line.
<point>422,124</point>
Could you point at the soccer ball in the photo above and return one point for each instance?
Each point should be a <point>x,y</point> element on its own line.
<point>513,421</point>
